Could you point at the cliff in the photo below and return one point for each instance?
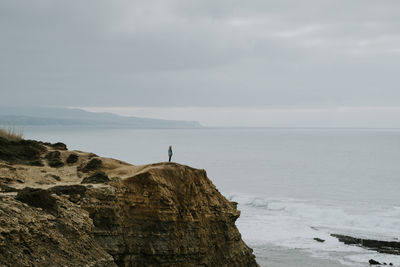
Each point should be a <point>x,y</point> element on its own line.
<point>71,208</point>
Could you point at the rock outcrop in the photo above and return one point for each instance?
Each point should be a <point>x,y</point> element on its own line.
<point>381,246</point>
<point>163,214</point>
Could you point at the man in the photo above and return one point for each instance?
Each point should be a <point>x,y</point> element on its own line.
<point>170,153</point>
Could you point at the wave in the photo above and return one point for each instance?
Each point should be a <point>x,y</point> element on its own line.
<point>294,223</point>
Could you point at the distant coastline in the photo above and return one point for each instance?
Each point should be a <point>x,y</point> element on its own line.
<point>44,116</point>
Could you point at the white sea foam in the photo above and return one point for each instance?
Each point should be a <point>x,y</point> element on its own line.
<point>294,224</point>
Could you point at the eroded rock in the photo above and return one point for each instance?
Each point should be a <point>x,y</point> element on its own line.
<point>154,215</point>
<point>59,146</point>
<point>30,236</point>
<point>96,178</point>
<point>39,198</point>
<point>72,158</point>
<point>167,215</point>
<point>54,159</point>
<point>7,189</point>
<point>92,165</point>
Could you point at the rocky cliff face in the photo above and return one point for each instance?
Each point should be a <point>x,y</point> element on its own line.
<point>33,236</point>
<point>162,214</point>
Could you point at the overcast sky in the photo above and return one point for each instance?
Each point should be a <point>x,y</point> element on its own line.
<point>205,57</point>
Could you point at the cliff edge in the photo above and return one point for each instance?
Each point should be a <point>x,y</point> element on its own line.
<point>72,208</point>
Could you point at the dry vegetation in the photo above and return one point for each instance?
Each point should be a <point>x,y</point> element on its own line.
<point>11,133</point>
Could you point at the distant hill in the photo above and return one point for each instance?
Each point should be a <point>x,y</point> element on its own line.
<point>43,116</point>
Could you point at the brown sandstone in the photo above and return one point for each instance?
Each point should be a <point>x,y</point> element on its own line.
<point>163,214</point>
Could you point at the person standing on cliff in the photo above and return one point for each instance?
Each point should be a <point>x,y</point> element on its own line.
<point>170,153</point>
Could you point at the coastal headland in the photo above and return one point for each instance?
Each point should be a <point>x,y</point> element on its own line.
<point>72,208</point>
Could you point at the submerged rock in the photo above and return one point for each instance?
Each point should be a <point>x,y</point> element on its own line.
<point>382,246</point>
<point>374,262</point>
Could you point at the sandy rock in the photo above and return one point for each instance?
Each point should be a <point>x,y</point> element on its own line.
<point>162,214</point>
<point>167,215</point>
<point>33,237</point>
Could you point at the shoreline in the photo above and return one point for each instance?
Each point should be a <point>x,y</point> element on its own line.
<point>275,256</point>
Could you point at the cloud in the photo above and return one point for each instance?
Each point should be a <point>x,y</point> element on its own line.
<point>200,53</point>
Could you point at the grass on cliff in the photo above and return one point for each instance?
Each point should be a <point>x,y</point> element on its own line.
<point>14,149</point>
<point>11,134</point>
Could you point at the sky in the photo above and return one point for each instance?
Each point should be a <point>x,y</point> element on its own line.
<point>311,63</point>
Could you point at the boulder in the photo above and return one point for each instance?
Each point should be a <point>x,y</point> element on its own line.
<point>74,192</point>
<point>96,178</point>
<point>59,146</point>
<point>92,165</point>
<point>39,198</point>
<point>374,262</point>
<point>54,159</point>
<point>72,158</point>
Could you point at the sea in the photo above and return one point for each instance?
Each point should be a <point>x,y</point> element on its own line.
<point>292,185</point>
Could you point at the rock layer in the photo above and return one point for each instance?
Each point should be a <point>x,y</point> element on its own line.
<point>167,214</point>
<point>31,236</point>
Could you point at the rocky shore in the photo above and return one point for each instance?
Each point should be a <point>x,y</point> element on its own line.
<point>72,208</point>
<point>381,246</point>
